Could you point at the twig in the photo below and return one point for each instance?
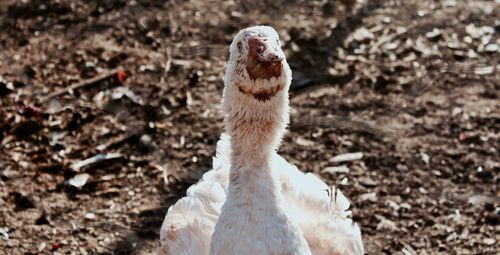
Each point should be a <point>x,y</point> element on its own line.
<point>83,84</point>
<point>101,157</point>
<point>168,65</point>
<point>119,141</point>
<point>382,41</point>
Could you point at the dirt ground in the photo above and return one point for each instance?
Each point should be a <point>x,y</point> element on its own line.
<point>413,85</point>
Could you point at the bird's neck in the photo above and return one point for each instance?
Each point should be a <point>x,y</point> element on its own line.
<point>251,152</point>
<point>256,129</point>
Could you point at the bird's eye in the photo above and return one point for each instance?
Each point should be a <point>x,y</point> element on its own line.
<point>239,46</point>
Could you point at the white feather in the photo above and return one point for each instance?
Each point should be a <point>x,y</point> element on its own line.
<point>322,212</point>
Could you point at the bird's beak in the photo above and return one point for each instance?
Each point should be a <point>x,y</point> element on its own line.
<point>272,57</point>
<point>262,51</point>
<point>264,58</point>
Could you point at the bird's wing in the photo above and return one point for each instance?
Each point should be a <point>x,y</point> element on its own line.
<point>322,211</point>
<point>189,223</point>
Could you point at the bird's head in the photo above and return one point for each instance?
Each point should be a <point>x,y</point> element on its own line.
<point>257,65</point>
<point>255,101</point>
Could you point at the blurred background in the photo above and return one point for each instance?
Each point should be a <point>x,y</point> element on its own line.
<point>109,110</point>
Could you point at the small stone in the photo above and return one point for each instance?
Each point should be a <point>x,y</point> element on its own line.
<point>392,205</point>
<point>405,206</point>
<point>79,180</point>
<point>449,3</point>
<point>347,157</point>
<point>336,169</point>
<point>24,164</point>
<point>456,111</point>
<point>90,216</point>
<point>491,48</point>
<point>489,241</point>
<point>401,167</point>
<point>304,142</point>
<point>484,70</point>
<point>146,139</point>
<point>434,34</point>
<point>42,246</point>
<point>368,182</point>
<point>422,190</point>
<point>468,39</point>
<point>372,197</point>
<point>362,34</point>
<point>386,224</point>
<point>425,157</point>
<point>344,181</point>
<point>5,233</point>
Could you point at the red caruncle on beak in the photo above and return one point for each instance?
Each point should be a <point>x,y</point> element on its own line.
<point>264,61</point>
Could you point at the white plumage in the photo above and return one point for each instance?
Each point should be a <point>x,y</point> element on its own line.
<point>253,201</point>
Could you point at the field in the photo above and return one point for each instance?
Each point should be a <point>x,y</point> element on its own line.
<point>412,85</point>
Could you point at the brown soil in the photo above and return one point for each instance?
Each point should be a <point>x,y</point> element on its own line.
<point>414,85</point>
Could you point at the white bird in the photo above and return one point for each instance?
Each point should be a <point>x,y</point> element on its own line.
<point>253,201</point>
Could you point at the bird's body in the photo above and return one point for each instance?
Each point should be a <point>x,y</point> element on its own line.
<point>254,201</point>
